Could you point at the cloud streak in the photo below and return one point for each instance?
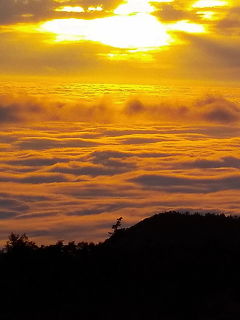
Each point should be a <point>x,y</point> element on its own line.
<point>20,11</point>
<point>188,184</point>
<point>212,109</point>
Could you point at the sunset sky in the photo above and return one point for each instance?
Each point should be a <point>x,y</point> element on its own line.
<point>109,40</point>
<point>116,108</point>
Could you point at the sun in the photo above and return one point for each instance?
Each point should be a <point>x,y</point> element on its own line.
<point>130,32</point>
<point>131,26</point>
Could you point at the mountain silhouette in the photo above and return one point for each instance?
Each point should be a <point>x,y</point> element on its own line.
<point>167,267</point>
<point>178,229</point>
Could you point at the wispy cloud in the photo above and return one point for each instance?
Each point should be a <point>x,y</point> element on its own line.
<point>212,109</point>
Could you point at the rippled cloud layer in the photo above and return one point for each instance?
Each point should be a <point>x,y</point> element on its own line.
<point>69,169</point>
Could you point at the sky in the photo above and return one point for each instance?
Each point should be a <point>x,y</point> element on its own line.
<point>116,108</point>
<point>109,40</point>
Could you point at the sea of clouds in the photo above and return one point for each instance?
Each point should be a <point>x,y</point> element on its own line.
<point>70,168</point>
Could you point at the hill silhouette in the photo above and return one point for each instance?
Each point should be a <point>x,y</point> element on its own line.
<point>169,266</point>
<point>179,229</point>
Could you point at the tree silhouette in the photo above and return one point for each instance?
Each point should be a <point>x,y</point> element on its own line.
<point>168,266</point>
<point>116,227</point>
<point>18,242</point>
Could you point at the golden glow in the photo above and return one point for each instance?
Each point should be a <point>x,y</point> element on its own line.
<point>95,8</point>
<point>132,27</point>
<point>209,3</point>
<point>137,6</point>
<point>27,15</point>
<point>187,26</point>
<point>78,9</point>
<point>134,56</point>
<point>136,31</point>
<point>210,15</point>
<point>134,6</point>
<point>70,9</point>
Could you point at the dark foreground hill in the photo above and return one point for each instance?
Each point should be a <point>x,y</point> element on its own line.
<point>167,267</point>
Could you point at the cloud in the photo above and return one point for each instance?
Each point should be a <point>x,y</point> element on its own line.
<point>115,206</point>
<point>25,197</point>
<point>230,24</point>
<point>171,12</point>
<point>35,161</point>
<point>116,132</point>
<point>89,191</point>
<point>40,55</point>
<point>109,157</point>
<point>50,143</point>
<point>14,109</point>
<point>35,178</point>
<point>18,109</point>
<point>37,215</point>
<point>8,114</point>
<point>77,169</point>
<point>21,11</point>
<point>218,109</point>
<point>99,209</point>
<point>179,10</point>
<point>12,11</point>
<point>88,173</point>
<point>6,215</point>
<point>188,184</point>
<point>224,162</point>
<point>219,54</point>
<point>154,155</point>
<point>11,208</point>
<point>140,140</point>
<point>13,204</point>
<point>210,108</point>
<point>105,4</point>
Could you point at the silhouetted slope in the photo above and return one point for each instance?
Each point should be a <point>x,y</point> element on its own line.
<point>188,264</point>
<point>169,266</point>
<point>181,230</point>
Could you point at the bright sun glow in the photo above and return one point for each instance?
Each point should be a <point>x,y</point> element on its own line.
<point>209,3</point>
<point>78,9</point>
<point>137,6</point>
<point>132,6</point>
<point>137,31</point>
<point>187,26</point>
<point>70,9</point>
<point>131,27</point>
<point>210,15</point>
<point>98,8</point>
